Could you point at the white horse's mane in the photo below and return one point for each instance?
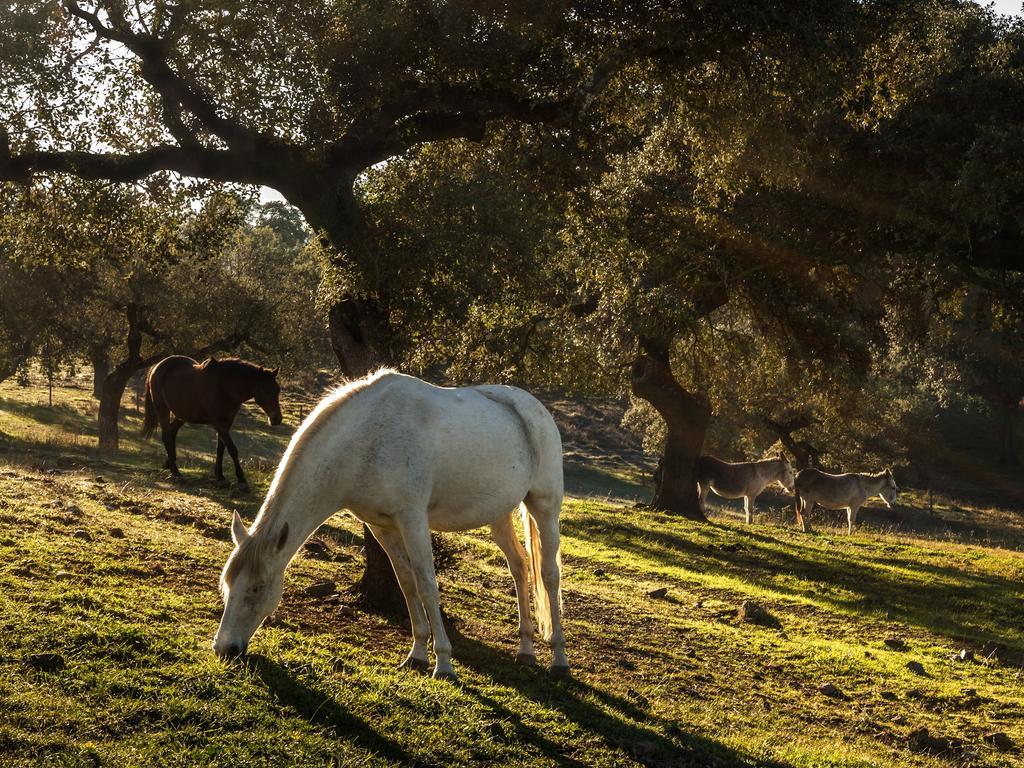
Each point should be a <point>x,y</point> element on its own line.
<point>317,418</point>
<point>251,550</point>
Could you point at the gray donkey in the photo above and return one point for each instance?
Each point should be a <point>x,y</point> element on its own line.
<point>745,479</point>
<point>848,491</point>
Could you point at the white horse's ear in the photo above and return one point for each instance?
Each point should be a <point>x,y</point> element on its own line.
<point>238,532</point>
<point>282,538</point>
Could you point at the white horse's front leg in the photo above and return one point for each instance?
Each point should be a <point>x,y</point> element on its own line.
<point>416,536</point>
<point>703,489</point>
<point>391,540</point>
<point>748,509</point>
<point>851,518</point>
<point>504,535</point>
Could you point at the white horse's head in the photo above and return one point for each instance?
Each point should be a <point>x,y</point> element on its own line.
<point>251,585</point>
<point>788,476</point>
<point>889,489</point>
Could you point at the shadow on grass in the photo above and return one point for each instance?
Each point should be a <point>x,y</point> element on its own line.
<point>868,577</point>
<point>321,710</point>
<point>620,723</point>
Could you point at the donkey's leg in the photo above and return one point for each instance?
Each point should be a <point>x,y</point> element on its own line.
<point>803,512</point>
<point>169,434</point>
<point>225,437</point>
<point>416,537</point>
<point>545,509</point>
<point>703,489</point>
<point>504,535</point>
<point>391,540</point>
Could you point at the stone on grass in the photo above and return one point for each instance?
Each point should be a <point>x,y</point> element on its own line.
<point>993,650</point>
<point>752,613</point>
<point>316,549</point>
<point>46,662</point>
<point>922,741</point>
<point>116,533</point>
<point>321,589</point>
<point>600,572</point>
<point>1000,741</point>
<point>830,690</point>
<point>895,643</point>
<point>917,668</point>
<point>82,534</point>
<point>658,594</point>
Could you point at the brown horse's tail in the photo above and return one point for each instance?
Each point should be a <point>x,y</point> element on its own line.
<point>151,420</point>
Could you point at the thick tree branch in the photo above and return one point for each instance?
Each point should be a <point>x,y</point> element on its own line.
<point>216,165</point>
<point>174,91</point>
<point>424,113</point>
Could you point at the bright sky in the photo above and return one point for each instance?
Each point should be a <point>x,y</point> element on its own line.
<point>1006,7</point>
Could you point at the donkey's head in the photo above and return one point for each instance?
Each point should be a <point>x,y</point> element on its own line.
<point>251,586</point>
<point>267,394</point>
<point>889,489</point>
<point>787,477</point>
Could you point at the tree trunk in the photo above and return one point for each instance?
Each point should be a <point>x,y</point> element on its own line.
<point>110,406</point>
<point>686,416</point>
<point>100,371</point>
<point>804,454</point>
<point>1008,448</point>
<point>360,336</point>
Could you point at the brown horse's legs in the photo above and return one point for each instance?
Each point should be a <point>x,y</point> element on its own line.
<point>219,468</point>
<point>170,436</point>
<point>225,438</point>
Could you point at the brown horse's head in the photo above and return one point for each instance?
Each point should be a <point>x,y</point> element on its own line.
<point>267,394</point>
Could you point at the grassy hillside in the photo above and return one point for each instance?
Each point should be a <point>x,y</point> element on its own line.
<point>108,604</point>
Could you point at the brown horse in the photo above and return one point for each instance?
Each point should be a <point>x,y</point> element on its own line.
<point>180,390</point>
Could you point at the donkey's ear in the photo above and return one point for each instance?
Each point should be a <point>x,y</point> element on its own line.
<point>275,371</point>
<point>282,538</point>
<point>238,532</point>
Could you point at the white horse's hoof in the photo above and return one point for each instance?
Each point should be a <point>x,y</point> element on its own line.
<point>560,670</point>
<point>526,659</point>
<point>416,665</point>
<point>449,676</point>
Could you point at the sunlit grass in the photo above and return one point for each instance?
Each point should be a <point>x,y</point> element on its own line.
<point>673,681</point>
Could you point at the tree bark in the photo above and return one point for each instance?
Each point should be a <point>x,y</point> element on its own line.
<point>360,336</point>
<point>804,454</point>
<point>100,371</point>
<point>113,388</point>
<point>686,416</point>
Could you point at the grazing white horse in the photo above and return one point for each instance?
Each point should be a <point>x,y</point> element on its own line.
<point>745,479</point>
<point>406,457</point>
<point>847,491</point>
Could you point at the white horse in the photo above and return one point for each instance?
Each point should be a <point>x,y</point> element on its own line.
<point>847,491</point>
<point>744,479</point>
<point>406,457</point>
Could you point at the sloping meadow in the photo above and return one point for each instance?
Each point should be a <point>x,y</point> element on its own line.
<point>108,602</point>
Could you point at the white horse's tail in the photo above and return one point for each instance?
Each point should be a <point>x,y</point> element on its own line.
<point>542,599</point>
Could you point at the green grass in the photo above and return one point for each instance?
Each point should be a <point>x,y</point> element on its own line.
<point>676,681</point>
